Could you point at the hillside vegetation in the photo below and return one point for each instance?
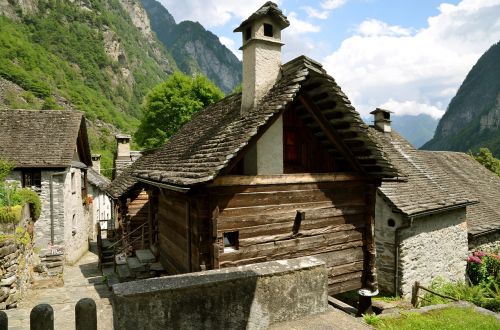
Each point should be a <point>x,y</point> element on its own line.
<point>472,119</point>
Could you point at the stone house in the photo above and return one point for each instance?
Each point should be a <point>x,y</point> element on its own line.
<point>284,169</point>
<point>51,153</point>
<point>425,225</point>
<point>100,203</point>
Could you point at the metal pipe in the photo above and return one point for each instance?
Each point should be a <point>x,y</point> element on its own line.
<point>51,187</point>
<point>396,255</point>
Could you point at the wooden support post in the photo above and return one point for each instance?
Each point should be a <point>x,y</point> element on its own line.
<point>86,314</point>
<point>414,294</point>
<point>4,321</point>
<point>42,317</point>
<point>143,244</point>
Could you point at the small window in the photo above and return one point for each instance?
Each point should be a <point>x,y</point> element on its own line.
<point>268,30</point>
<point>387,115</point>
<point>32,179</point>
<point>248,33</point>
<point>231,241</point>
<point>391,223</point>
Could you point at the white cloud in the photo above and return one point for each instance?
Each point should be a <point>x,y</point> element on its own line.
<point>412,108</point>
<point>315,13</point>
<point>332,4</point>
<point>211,13</point>
<point>374,27</point>
<point>231,45</point>
<point>298,26</point>
<point>420,69</point>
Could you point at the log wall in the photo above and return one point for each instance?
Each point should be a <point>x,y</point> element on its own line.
<point>326,220</point>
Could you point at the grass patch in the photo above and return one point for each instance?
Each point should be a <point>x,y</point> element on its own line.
<point>452,318</point>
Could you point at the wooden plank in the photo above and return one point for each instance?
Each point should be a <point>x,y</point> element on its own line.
<point>274,237</point>
<point>342,257</point>
<point>225,223</point>
<point>174,252</point>
<point>298,246</point>
<point>346,269</point>
<point>230,190</point>
<point>353,196</point>
<point>344,277</point>
<point>246,180</point>
<point>345,286</point>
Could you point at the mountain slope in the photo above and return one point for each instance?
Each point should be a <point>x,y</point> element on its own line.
<point>472,119</point>
<point>96,56</point>
<point>416,129</point>
<point>195,49</point>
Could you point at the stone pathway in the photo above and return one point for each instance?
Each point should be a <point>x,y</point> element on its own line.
<point>83,280</point>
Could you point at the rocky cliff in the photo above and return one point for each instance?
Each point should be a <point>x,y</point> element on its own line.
<point>194,49</point>
<point>472,119</point>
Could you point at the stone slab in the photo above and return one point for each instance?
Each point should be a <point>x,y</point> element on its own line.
<point>145,256</point>
<point>135,265</point>
<point>8,281</point>
<point>123,272</point>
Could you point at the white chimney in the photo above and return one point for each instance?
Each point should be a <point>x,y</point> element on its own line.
<point>261,35</point>
<point>123,146</point>
<point>96,163</point>
<point>261,68</point>
<point>382,119</point>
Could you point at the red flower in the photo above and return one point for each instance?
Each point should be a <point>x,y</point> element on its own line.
<point>474,259</point>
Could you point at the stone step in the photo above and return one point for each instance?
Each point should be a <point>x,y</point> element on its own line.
<point>145,256</point>
<point>124,273</point>
<point>157,267</point>
<point>112,279</point>
<point>135,265</point>
<point>108,270</point>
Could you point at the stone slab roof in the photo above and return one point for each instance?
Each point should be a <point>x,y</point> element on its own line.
<point>204,146</point>
<point>424,190</point>
<point>43,138</point>
<point>467,175</point>
<point>123,183</point>
<point>268,9</point>
<point>97,179</point>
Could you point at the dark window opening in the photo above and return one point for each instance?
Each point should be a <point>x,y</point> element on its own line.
<point>391,222</point>
<point>231,241</point>
<point>291,146</point>
<point>248,33</point>
<point>387,115</point>
<point>32,178</point>
<point>268,30</point>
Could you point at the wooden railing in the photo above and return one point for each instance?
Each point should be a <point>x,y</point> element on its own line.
<point>126,241</point>
<point>415,294</point>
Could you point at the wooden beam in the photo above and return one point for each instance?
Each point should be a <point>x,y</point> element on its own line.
<point>331,134</point>
<point>255,180</point>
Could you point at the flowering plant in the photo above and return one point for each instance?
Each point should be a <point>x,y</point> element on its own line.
<point>483,268</point>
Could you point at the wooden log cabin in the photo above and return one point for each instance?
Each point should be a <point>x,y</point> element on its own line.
<point>284,169</point>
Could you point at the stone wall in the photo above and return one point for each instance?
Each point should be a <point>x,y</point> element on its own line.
<point>100,209</point>
<point>71,218</point>
<point>246,297</point>
<point>433,246</point>
<point>16,261</point>
<point>488,243</point>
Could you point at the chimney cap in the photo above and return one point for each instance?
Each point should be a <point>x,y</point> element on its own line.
<point>268,9</point>
<point>96,156</point>
<point>123,136</point>
<point>377,110</point>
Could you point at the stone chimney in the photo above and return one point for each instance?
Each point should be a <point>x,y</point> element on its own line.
<point>96,163</point>
<point>261,68</point>
<point>123,146</point>
<point>382,119</point>
<point>261,34</point>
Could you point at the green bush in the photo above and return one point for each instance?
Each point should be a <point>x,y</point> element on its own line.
<point>28,196</point>
<point>10,214</point>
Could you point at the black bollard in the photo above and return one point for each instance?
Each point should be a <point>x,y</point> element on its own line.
<point>4,321</point>
<point>42,317</point>
<point>86,314</point>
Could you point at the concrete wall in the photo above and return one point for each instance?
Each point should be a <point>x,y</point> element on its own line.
<point>246,297</point>
<point>434,246</point>
<point>488,243</point>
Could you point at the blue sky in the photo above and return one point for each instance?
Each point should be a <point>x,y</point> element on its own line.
<point>408,56</point>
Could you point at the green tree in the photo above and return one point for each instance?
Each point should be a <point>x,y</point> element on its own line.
<point>486,158</point>
<point>171,104</point>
